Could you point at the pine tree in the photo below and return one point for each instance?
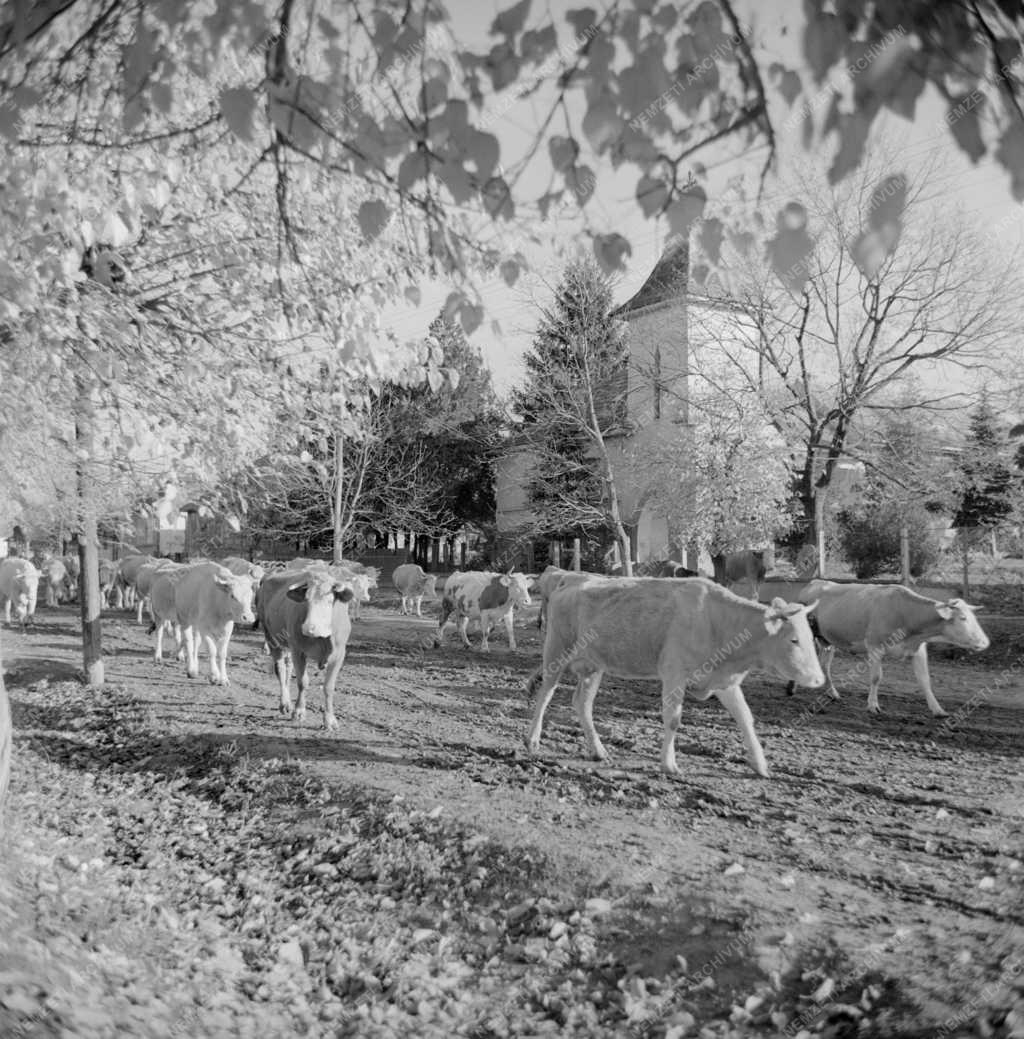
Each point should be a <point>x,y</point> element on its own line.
<point>987,480</point>
<point>578,345</point>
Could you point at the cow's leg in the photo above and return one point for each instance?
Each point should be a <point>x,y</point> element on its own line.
<point>191,652</point>
<point>583,701</point>
<point>509,627</point>
<point>920,662</point>
<point>419,605</point>
<point>673,692</point>
<point>211,648</point>
<point>158,653</point>
<point>404,609</point>
<point>446,612</point>
<point>222,657</point>
<point>334,663</point>
<point>280,661</point>
<point>300,664</point>
<point>875,654</point>
<point>542,684</point>
<point>827,655</point>
<point>138,611</point>
<point>463,626</point>
<point>7,611</point>
<point>735,703</point>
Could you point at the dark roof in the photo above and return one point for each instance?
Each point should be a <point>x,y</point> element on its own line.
<point>668,281</point>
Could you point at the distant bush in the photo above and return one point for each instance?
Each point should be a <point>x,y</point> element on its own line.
<point>870,541</point>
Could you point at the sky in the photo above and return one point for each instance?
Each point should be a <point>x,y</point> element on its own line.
<point>981,190</point>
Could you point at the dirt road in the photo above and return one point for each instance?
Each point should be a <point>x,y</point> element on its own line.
<point>879,867</point>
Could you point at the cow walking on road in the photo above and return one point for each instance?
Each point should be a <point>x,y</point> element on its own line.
<point>19,587</point>
<point>413,584</point>
<point>689,633</point>
<point>304,616</point>
<point>889,619</point>
<point>485,597</point>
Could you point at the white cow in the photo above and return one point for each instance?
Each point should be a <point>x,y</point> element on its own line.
<point>128,569</point>
<point>244,568</point>
<point>53,571</point>
<point>549,580</point>
<point>210,600</point>
<point>305,614</point>
<point>144,581</point>
<point>163,610</point>
<point>413,584</point>
<point>19,587</point>
<point>889,619</point>
<point>483,596</point>
<point>689,633</point>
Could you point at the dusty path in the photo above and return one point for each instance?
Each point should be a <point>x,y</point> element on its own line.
<point>884,851</point>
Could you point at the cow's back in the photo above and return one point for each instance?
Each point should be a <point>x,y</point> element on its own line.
<point>408,577</point>
<point>624,626</point>
<point>194,592</point>
<point>17,572</point>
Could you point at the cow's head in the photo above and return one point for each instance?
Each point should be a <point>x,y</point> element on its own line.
<point>238,591</point>
<point>320,591</point>
<point>793,655</point>
<point>960,627</point>
<point>518,588</point>
<point>427,586</point>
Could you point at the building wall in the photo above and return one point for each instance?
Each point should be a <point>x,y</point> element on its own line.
<point>512,473</point>
<point>659,358</point>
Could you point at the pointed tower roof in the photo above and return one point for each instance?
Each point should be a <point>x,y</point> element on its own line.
<point>667,282</point>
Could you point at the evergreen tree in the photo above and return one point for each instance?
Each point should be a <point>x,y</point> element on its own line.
<point>986,499</point>
<point>578,345</point>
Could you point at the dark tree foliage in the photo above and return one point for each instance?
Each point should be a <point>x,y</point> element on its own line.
<point>566,478</point>
<point>988,483</point>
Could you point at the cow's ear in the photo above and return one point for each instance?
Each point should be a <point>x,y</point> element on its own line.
<point>505,580</point>
<point>297,593</point>
<point>813,606</point>
<point>224,582</point>
<point>773,623</point>
<point>342,594</point>
<point>944,610</point>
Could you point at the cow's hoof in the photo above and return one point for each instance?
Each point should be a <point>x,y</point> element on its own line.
<point>331,723</point>
<point>940,713</point>
<point>286,709</point>
<point>672,770</point>
<point>874,710</point>
<point>833,694</point>
<point>532,746</point>
<point>192,674</point>
<point>300,714</point>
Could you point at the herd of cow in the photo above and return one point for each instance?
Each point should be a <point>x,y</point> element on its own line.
<point>688,632</point>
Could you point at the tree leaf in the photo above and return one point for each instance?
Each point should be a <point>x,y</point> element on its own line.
<point>373,217</point>
<point>1011,154</point>
<point>711,234</point>
<point>582,181</point>
<point>965,125</point>
<point>509,271</point>
<point>413,294</point>
<point>563,152</point>
<point>824,39</point>
<point>238,106</point>
<point>497,198</point>
<point>687,209</point>
<point>511,21</point>
<point>652,194</point>
<point>610,250</point>
<point>471,317</point>
<point>602,124</point>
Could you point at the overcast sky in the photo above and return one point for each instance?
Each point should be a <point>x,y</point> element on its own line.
<point>982,190</point>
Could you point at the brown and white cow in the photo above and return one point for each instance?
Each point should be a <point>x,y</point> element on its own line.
<point>889,619</point>
<point>689,633</point>
<point>210,600</point>
<point>413,584</point>
<point>483,596</point>
<point>19,587</point>
<point>304,616</point>
<point>108,580</point>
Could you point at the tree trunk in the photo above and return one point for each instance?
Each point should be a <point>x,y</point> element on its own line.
<point>905,553</point>
<point>6,742</point>
<point>819,531</point>
<point>88,549</point>
<point>965,544</point>
<point>576,554</point>
<point>718,562</point>
<point>338,505</point>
